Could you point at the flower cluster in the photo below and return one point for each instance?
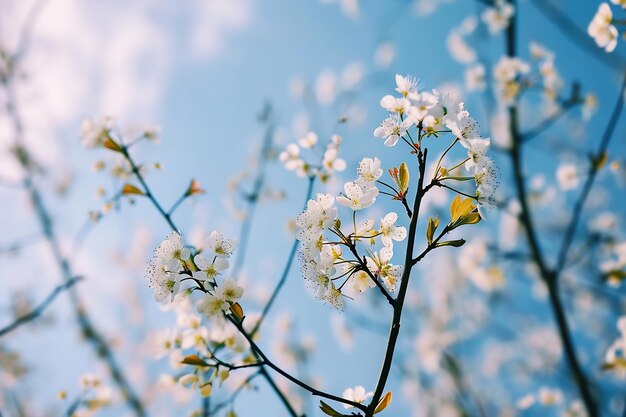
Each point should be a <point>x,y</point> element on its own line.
<point>497,17</point>
<point>293,161</point>
<point>172,264</point>
<point>434,114</point>
<point>326,261</point>
<point>506,74</point>
<point>601,27</point>
<point>94,133</point>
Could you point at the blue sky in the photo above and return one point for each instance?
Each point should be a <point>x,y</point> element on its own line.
<point>206,104</point>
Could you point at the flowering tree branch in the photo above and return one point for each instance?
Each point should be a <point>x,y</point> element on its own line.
<point>124,150</point>
<point>394,331</point>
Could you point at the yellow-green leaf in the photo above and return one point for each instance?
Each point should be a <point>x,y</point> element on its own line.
<point>403,178</point>
<point>454,243</point>
<point>131,189</point>
<point>384,402</point>
<point>432,227</point>
<point>112,145</point>
<point>327,409</point>
<point>463,211</point>
<point>194,360</point>
<point>237,311</point>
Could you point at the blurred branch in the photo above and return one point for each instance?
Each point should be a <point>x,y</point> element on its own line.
<point>596,163</point>
<point>230,400</point>
<point>87,328</point>
<point>21,243</point>
<point>286,269</point>
<point>252,198</point>
<point>548,276</point>
<point>40,308</point>
<point>549,121</point>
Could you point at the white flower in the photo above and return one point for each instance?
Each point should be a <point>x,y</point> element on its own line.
<point>459,48</point>
<point>290,157</point>
<point>395,105</point>
<point>164,279</point>
<point>361,281</point>
<point>567,176</point>
<point>506,73</point>
<point>229,290</point>
<point>549,397</point>
<point>357,195</point>
<point>477,151</point>
<point>379,265</point>
<point>369,169</point>
<point>601,29</point>
<point>164,267</point>
<point>208,271</point>
<point>475,78</point>
<point>219,246</point>
<point>333,297</point>
<point>485,177</point>
<point>384,55</point>
<point>406,85</point>
<point>461,124</point>
<point>331,162</point>
<point>392,129</point>
<point>422,103</point>
<point>172,248</point>
<point>357,395</point>
<point>390,231</point>
<point>319,214</point>
<point>509,68</point>
<point>328,255</point>
<point>212,305</point>
<point>497,18</point>
<point>525,402</point>
<point>93,133</point>
<point>308,141</point>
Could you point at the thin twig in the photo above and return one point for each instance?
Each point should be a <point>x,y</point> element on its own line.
<point>38,311</point>
<point>286,269</point>
<point>594,167</point>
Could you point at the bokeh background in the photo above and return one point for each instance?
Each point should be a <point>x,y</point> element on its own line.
<point>203,70</point>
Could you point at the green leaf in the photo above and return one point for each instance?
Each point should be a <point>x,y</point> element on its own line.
<point>454,243</point>
<point>403,178</point>
<point>327,409</point>
<point>433,224</point>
